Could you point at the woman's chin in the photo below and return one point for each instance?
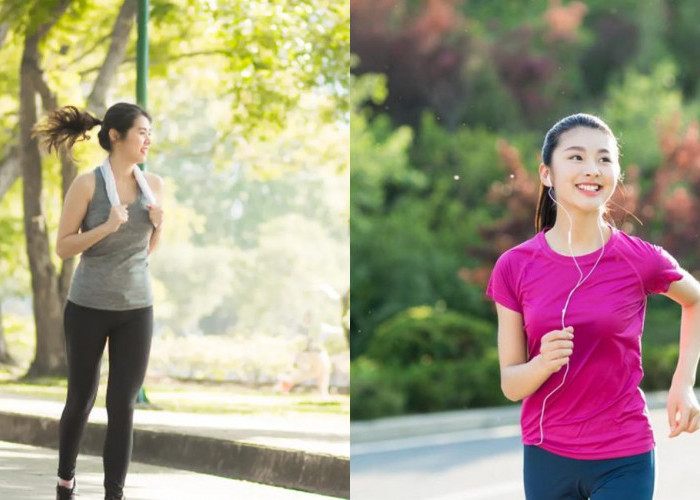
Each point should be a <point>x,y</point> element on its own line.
<point>585,206</point>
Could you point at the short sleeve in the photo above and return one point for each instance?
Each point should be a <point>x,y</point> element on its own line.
<point>660,269</point>
<point>502,284</point>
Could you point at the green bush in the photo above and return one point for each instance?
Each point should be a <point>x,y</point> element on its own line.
<point>452,385</point>
<point>659,362</point>
<point>374,392</point>
<point>426,359</point>
<point>425,334</point>
<point>662,322</point>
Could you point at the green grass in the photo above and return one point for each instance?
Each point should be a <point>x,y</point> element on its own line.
<point>211,356</point>
<point>174,395</point>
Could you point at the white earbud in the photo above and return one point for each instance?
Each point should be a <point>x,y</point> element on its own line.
<point>548,180</point>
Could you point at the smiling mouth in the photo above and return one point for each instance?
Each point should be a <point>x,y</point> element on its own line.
<point>589,188</point>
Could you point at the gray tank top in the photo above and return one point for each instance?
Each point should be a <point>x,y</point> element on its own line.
<point>113,273</point>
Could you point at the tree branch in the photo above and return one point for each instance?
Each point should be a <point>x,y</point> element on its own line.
<point>43,29</point>
<point>85,53</point>
<point>48,97</point>
<point>187,55</point>
<point>120,38</point>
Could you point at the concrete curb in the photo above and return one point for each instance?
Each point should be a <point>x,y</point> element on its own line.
<point>300,470</point>
<point>384,429</point>
<point>430,423</point>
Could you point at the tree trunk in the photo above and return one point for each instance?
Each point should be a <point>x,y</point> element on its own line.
<point>50,356</point>
<point>68,173</point>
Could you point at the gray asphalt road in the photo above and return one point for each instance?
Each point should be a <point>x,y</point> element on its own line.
<point>487,465</point>
<point>29,473</point>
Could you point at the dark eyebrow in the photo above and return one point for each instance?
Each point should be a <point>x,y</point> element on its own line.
<point>145,128</point>
<point>579,148</point>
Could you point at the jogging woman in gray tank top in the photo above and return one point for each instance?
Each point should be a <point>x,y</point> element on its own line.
<point>110,298</point>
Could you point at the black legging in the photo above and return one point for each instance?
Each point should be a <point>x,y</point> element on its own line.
<point>87,331</point>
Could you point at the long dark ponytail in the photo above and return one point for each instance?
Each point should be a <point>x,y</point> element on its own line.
<point>546,213</point>
<point>63,127</point>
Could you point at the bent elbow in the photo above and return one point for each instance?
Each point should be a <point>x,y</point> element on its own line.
<point>514,399</point>
<point>509,394</point>
<point>61,251</point>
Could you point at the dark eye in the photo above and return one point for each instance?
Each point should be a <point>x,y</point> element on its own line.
<point>575,157</point>
<point>606,159</point>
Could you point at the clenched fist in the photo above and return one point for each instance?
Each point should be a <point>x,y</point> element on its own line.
<point>118,215</point>
<point>556,348</point>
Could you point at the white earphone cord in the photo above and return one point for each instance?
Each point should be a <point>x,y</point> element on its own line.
<point>581,279</point>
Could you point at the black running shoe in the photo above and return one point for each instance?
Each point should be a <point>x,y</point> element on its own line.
<point>63,493</point>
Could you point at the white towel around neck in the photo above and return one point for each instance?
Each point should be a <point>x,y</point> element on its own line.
<point>111,185</point>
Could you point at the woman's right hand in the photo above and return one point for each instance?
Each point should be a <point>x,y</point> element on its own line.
<point>118,215</point>
<point>556,348</point>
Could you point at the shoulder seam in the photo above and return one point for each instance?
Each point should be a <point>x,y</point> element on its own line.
<point>635,270</point>
<point>525,265</point>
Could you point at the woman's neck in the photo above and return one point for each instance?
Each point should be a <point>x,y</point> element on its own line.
<point>121,167</point>
<point>585,235</point>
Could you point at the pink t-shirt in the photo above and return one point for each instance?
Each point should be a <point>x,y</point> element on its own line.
<point>600,411</point>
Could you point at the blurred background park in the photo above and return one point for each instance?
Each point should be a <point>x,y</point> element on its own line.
<point>250,104</point>
<point>450,102</point>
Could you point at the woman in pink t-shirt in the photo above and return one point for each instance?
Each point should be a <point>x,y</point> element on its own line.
<point>571,303</point>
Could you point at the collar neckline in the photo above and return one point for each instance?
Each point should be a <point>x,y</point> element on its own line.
<point>581,259</point>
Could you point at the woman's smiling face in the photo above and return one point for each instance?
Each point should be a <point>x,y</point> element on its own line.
<point>585,168</point>
<point>137,140</point>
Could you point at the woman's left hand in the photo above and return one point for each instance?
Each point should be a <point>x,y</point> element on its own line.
<point>683,408</point>
<point>155,213</point>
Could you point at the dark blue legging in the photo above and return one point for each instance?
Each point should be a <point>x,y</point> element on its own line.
<point>87,331</point>
<point>553,477</point>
